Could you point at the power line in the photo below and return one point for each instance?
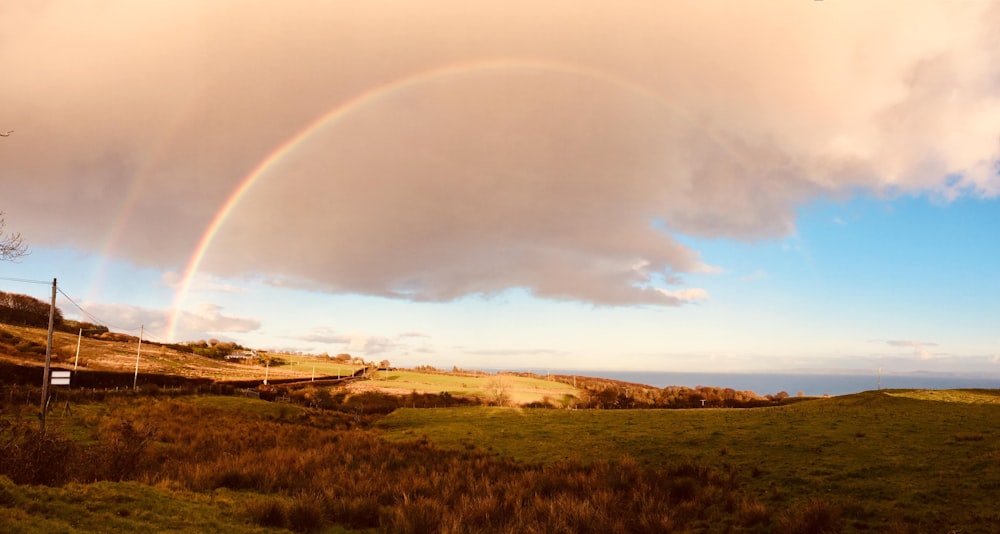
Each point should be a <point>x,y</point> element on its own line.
<point>83,311</point>
<point>25,280</point>
<point>93,318</point>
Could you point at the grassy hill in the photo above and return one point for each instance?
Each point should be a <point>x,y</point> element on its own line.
<point>909,457</point>
<point>331,460</point>
<point>26,346</point>
<point>898,461</point>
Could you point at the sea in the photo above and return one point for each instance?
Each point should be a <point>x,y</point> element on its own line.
<point>811,384</point>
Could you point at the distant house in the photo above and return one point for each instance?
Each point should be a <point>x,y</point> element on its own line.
<point>248,354</point>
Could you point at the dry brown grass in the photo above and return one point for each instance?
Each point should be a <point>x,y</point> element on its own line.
<point>313,470</point>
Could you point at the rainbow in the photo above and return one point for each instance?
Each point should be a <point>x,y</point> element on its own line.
<point>367,98</point>
<point>128,205</point>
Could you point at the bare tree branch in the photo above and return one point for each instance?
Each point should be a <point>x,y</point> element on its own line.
<point>12,245</point>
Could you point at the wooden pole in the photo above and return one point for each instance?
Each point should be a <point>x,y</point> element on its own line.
<point>76,362</point>
<point>48,360</point>
<point>135,380</point>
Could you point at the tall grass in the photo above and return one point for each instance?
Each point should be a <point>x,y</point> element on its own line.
<point>893,464</point>
<point>313,469</point>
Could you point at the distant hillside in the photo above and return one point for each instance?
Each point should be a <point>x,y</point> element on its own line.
<point>113,352</point>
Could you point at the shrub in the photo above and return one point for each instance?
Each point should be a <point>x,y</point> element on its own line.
<point>814,517</point>
<point>752,512</point>
<point>305,514</point>
<point>267,512</point>
<point>123,448</point>
<point>31,457</point>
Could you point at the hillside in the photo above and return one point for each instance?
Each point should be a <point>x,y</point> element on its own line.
<point>25,346</point>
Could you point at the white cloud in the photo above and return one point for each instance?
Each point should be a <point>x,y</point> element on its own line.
<point>202,283</point>
<point>534,153</point>
<point>682,296</point>
<point>207,320</point>
<point>920,348</point>
<point>360,344</point>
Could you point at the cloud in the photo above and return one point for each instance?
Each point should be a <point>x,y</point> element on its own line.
<point>201,283</point>
<point>367,344</point>
<point>516,352</point>
<point>206,320</point>
<point>555,151</point>
<point>897,343</point>
<point>328,337</point>
<point>920,348</point>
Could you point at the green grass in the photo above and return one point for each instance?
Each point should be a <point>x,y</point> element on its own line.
<point>120,507</point>
<point>967,396</point>
<point>884,455</point>
<point>304,365</point>
<point>520,389</point>
<point>248,406</point>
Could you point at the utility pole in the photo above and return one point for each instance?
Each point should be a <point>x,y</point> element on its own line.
<point>135,381</point>
<point>48,360</point>
<point>76,362</point>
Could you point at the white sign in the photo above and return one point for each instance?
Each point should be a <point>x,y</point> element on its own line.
<point>59,378</point>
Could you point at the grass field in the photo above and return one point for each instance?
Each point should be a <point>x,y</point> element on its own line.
<point>924,458</point>
<point>886,461</point>
<point>120,507</point>
<point>891,461</point>
<point>518,389</point>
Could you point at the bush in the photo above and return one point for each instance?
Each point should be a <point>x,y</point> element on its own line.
<point>814,517</point>
<point>267,512</point>
<point>123,448</point>
<point>305,514</point>
<point>31,457</point>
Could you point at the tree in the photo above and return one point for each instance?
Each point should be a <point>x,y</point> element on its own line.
<point>497,391</point>
<point>24,310</point>
<point>12,245</point>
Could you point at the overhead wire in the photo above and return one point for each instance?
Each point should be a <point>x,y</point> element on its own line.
<point>90,316</point>
<point>26,280</point>
<point>146,335</point>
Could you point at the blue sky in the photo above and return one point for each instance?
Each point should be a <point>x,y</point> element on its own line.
<point>569,185</point>
<point>909,283</point>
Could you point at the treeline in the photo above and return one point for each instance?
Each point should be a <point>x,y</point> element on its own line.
<point>212,348</point>
<point>23,310</point>
<point>606,394</point>
<point>671,397</point>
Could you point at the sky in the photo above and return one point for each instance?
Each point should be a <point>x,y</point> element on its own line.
<point>658,186</point>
